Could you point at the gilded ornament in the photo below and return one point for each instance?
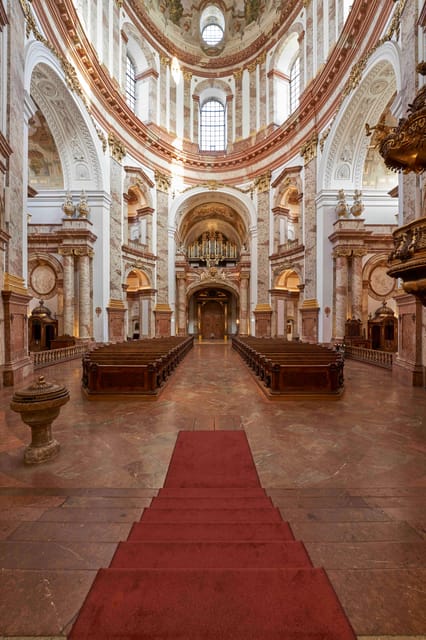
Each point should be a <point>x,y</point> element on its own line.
<point>117,148</point>
<point>263,183</point>
<point>162,182</point>
<point>309,149</point>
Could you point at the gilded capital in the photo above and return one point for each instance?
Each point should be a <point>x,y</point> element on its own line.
<point>263,183</point>
<point>309,149</point>
<point>116,147</point>
<point>162,182</point>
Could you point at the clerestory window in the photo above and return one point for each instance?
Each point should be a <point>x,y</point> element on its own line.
<point>130,83</point>
<point>212,126</point>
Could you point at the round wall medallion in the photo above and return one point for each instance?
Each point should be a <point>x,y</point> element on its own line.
<point>381,284</point>
<point>43,279</point>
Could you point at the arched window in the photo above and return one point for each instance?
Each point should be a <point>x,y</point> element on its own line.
<point>130,83</point>
<point>294,84</point>
<point>212,126</point>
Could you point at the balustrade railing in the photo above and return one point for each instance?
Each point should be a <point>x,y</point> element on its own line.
<point>372,356</point>
<point>54,356</point>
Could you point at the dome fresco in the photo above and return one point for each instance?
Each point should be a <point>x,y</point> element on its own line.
<point>246,26</point>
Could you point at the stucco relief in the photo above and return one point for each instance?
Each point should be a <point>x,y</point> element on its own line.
<point>69,130</point>
<point>380,284</point>
<point>345,150</point>
<point>43,280</point>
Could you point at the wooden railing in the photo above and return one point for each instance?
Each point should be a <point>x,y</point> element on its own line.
<point>372,356</point>
<point>54,356</point>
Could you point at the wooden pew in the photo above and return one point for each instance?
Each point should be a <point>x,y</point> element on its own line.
<point>132,368</point>
<point>292,368</point>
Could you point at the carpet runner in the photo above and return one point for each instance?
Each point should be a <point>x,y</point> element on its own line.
<point>211,559</point>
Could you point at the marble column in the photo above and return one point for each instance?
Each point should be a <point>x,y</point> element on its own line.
<point>187,77</point>
<point>162,309</point>
<point>163,186</point>
<point>181,304</point>
<point>84,296</point>
<point>244,315</point>
<point>263,80</point>
<point>238,75</point>
<point>253,93</point>
<point>68,265</point>
<point>263,232</point>
<point>164,73</point>
<point>341,292</point>
<point>357,283</point>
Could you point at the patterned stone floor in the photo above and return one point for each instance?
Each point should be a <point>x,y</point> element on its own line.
<point>349,475</point>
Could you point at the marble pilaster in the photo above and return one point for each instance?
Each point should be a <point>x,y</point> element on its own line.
<point>238,75</point>
<point>164,68</point>
<point>252,98</point>
<point>340,293</point>
<point>357,290</point>
<point>262,184</point>
<point>181,304</point>
<point>262,93</point>
<point>84,296</point>
<point>309,153</point>
<point>187,77</point>
<point>163,186</point>
<point>244,301</point>
<point>68,266</point>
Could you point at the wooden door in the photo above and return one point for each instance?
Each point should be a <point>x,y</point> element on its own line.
<point>212,320</point>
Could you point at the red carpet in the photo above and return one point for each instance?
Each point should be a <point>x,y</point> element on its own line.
<point>211,559</point>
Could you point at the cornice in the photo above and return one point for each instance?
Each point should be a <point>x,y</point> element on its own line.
<point>313,100</point>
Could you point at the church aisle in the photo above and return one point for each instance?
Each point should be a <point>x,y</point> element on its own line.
<point>348,475</point>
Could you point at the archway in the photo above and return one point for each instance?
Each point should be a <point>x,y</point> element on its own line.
<point>213,313</point>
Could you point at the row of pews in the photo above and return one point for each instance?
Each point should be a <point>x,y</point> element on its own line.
<point>292,368</point>
<point>139,367</point>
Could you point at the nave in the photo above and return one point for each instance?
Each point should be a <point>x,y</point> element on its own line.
<point>348,476</point>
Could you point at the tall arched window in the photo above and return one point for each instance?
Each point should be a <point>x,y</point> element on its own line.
<point>294,84</point>
<point>212,126</point>
<point>130,83</point>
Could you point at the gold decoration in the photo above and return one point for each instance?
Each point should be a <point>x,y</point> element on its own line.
<point>117,148</point>
<point>342,207</point>
<point>404,147</point>
<point>408,259</point>
<point>357,208</point>
<point>263,183</point>
<point>309,149</point>
<point>163,182</point>
<point>324,137</point>
<point>16,284</point>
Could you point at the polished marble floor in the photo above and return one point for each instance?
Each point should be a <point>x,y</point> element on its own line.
<point>349,475</point>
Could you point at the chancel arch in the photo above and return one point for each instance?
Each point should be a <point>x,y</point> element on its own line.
<point>213,253</point>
